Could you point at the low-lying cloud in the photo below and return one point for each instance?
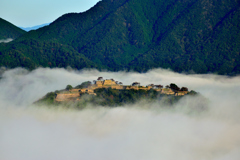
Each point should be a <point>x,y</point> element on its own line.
<point>143,131</point>
<point>6,40</point>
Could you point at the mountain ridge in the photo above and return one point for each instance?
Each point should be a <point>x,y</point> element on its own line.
<point>8,30</point>
<point>183,35</point>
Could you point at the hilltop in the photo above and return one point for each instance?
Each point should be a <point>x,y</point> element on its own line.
<point>8,30</point>
<point>113,93</point>
<point>183,35</point>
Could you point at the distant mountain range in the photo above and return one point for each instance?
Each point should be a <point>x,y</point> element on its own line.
<point>198,36</point>
<point>34,27</point>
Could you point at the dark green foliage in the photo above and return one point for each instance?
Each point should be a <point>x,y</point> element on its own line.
<point>47,99</point>
<point>184,35</point>
<point>184,89</point>
<point>8,30</point>
<point>174,87</point>
<point>69,87</point>
<point>192,93</point>
<point>83,85</point>
<point>113,97</point>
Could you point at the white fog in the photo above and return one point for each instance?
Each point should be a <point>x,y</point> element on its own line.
<point>143,131</point>
<point>6,40</point>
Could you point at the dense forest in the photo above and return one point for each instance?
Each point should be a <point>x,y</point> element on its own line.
<point>8,30</point>
<point>198,36</point>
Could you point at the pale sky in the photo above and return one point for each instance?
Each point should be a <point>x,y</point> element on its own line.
<point>28,13</point>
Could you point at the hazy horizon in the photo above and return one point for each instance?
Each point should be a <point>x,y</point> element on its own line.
<point>28,13</point>
<point>34,27</point>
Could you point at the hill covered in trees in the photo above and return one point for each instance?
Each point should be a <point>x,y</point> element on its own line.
<point>111,93</point>
<point>8,30</point>
<point>184,35</point>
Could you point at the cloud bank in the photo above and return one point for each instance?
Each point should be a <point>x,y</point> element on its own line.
<point>6,40</point>
<point>143,131</point>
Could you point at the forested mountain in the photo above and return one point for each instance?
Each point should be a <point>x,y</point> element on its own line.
<point>8,30</point>
<point>184,35</point>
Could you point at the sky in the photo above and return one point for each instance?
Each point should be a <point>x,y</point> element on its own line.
<point>28,13</point>
<point>196,128</point>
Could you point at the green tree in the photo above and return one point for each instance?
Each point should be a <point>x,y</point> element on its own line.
<point>69,87</point>
<point>174,87</point>
<point>84,85</point>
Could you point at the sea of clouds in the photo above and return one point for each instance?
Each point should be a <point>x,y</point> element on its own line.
<point>142,131</point>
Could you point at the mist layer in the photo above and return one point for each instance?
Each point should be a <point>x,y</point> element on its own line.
<point>145,131</point>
